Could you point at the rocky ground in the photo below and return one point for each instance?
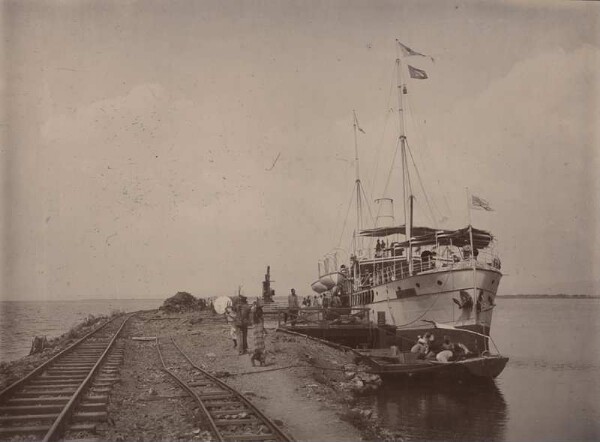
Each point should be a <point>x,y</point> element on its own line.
<point>309,389</point>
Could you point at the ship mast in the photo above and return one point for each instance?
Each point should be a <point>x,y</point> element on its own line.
<point>358,238</point>
<point>406,188</point>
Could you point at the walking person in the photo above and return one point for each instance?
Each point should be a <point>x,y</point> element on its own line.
<point>293,307</point>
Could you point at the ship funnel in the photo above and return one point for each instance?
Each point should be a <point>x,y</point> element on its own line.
<point>385,212</point>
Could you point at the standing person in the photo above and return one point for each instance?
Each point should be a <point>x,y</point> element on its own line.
<point>325,300</point>
<point>258,351</point>
<point>335,304</point>
<point>315,302</point>
<point>293,306</point>
<point>242,322</point>
<point>232,320</point>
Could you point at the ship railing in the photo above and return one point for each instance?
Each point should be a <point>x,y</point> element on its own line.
<point>400,269</point>
<point>325,316</point>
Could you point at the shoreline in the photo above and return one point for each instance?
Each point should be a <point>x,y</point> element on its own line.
<point>303,382</point>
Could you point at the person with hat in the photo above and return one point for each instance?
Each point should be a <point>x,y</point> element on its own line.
<point>242,321</point>
<point>293,307</point>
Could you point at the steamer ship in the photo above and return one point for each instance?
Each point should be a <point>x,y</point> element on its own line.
<point>417,278</point>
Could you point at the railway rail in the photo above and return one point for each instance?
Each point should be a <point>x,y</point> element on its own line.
<point>229,414</point>
<point>68,394</point>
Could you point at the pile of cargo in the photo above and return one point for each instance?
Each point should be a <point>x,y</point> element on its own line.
<point>182,302</point>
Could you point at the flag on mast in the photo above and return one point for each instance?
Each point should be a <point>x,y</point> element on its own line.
<point>418,74</point>
<point>407,52</point>
<point>480,204</point>
<point>357,125</point>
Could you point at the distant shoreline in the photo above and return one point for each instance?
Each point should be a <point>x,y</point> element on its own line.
<point>560,296</point>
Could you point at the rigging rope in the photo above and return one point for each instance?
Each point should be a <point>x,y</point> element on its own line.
<point>422,185</point>
<point>423,135</point>
<point>368,205</point>
<point>385,124</point>
<point>346,219</point>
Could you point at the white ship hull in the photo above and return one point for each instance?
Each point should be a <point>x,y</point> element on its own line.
<point>435,296</point>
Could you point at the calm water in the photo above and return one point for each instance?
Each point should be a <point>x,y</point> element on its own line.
<point>20,321</point>
<point>549,391</point>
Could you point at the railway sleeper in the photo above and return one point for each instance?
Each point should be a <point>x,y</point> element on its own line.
<point>38,384</point>
<point>51,371</point>
<point>107,378</point>
<point>89,352</point>
<point>213,392</point>
<point>35,393</point>
<point>218,404</point>
<point>28,418</point>
<point>37,429</point>
<point>209,397</point>
<point>101,389</point>
<point>96,416</point>
<point>250,437</point>
<point>238,421</point>
<point>44,409</point>
<point>218,413</point>
<point>103,385</point>
<point>67,377</point>
<point>53,400</point>
<point>39,400</point>
<point>63,364</point>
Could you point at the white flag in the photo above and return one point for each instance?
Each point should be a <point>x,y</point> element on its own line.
<point>480,204</point>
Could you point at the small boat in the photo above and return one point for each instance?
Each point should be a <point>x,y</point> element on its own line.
<point>385,364</point>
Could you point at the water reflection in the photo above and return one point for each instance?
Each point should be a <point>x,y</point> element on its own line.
<point>443,409</point>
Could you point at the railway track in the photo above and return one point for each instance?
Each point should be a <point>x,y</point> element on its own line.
<point>66,396</point>
<point>229,414</point>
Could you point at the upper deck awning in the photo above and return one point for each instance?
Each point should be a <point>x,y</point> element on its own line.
<point>393,230</point>
<point>426,236</point>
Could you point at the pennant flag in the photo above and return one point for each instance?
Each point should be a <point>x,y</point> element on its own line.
<point>357,125</point>
<point>407,52</point>
<point>418,74</point>
<point>480,204</point>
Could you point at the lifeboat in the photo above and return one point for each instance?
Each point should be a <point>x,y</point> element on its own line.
<point>328,282</point>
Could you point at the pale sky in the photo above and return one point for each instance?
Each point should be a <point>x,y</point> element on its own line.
<point>137,137</point>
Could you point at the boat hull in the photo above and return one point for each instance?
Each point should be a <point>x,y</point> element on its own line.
<point>462,300</point>
<point>481,367</point>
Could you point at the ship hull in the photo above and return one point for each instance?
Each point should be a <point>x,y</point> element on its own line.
<point>462,300</point>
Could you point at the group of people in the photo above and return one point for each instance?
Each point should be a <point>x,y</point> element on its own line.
<point>379,248</point>
<point>241,316</point>
<point>326,300</point>
<point>427,348</point>
<point>323,300</point>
